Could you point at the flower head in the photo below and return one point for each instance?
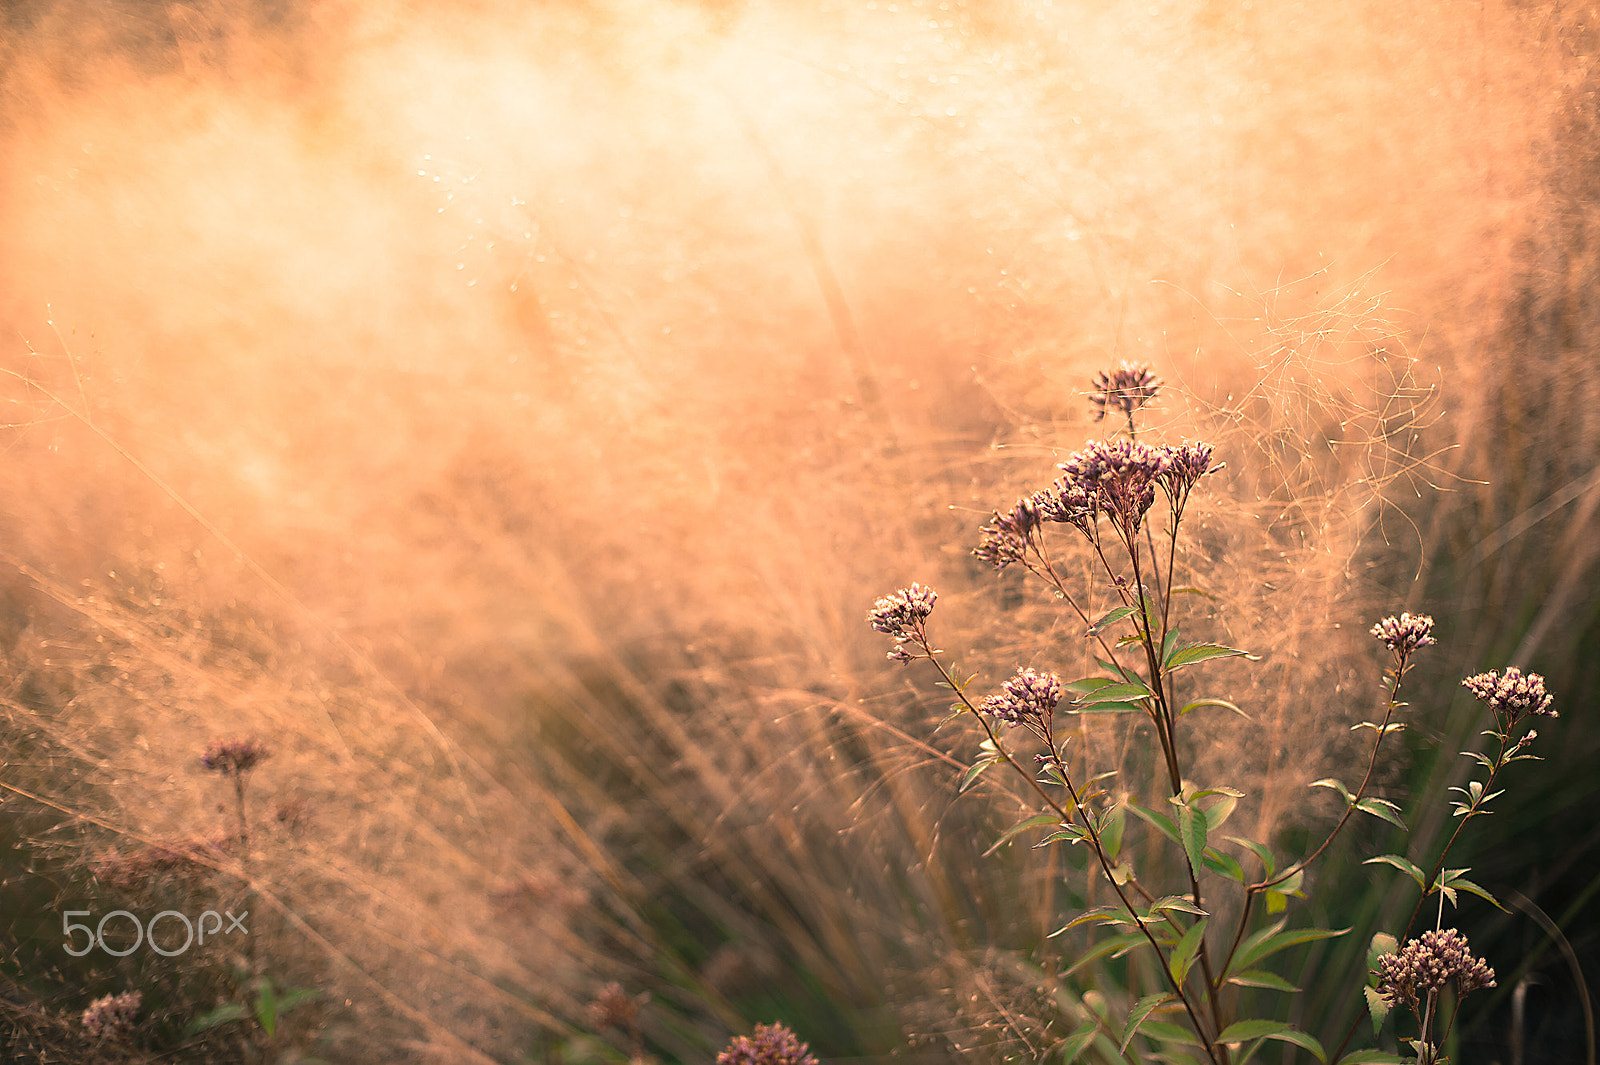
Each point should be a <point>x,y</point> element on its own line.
<point>1120,477</point>
<point>1425,965</point>
<point>1026,697</point>
<point>1513,696</point>
<point>612,1008</point>
<point>1006,537</point>
<point>904,615</point>
<point>1186,464</point>
<point>1125,389</point>
<point>236,756</point>
<point>112,1016</point>
<point>769,1044</point>
<point>1406,633</point>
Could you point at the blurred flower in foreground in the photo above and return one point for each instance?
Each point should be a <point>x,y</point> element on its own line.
<point>234,756</point>
<point>612,1008</point>
<point>112,1016</point>
<point>769,1044</point>
<point>1125,389</point>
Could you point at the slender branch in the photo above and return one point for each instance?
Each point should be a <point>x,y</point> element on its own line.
<point>1082,817</point>
<point>1401,668</point>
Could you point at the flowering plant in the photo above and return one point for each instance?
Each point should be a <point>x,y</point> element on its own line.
<point>1203,929</point>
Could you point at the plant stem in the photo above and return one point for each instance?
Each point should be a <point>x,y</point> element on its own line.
<point>1082,817</point>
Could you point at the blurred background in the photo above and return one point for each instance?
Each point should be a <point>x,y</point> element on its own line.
<point>509,412</point>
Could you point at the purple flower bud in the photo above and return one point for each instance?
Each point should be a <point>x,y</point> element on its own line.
<point>234,756</point>
<point>1006,537</point>
<point>1120,477</point>
<point>1125,389</point>
<point>1425,965</point>
<point>769,1044</point>
<point>1406,633</point>
<point>1513,696</point>
<point>1028,696</point>
<point>1186,464</point>
<point>111,1016</point>
<point>904,616</point>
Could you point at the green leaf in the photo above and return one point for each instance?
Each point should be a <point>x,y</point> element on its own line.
<point>1112,824</point>
<point>1336,785</point>
<point>1192,833</point>
<point>1167,1032</point>
<point>1374,1057</point>
<point>1239,1031</point>
<point>1110,618</point>
<point>1070,833</point>
<point>1377,1008</point>
<point>267,1008</point>
<point>1262,978</point>
<point>1136,1017</point>
<point>1401,864</point>
<point>1117,691</point>
<point>1160,820</point>
<point>1183,954</point>
<point>1036,821</point>
<point>1102,914</point>
<point>1076,1043</point>
<point>1466,885</point>
<point>1115,707</point>
<point>1086,685</point>
<point>1384,809</point>
<point>1196,653</point>
<point>1198,703</point>
<point>1217,813</point>
<point>1116,946</point>
<point>970,777</point>
<point>223,1014</point>
<point>295,997</point>
<point>1261,946</point>
<point>1382,943</point>
<point>1218,862</point>
<point>1176,902</point>
<point>1152,615</point>
<point>1259,851</point>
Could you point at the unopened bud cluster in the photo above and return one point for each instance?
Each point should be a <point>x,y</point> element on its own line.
<point>1425,965</point>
